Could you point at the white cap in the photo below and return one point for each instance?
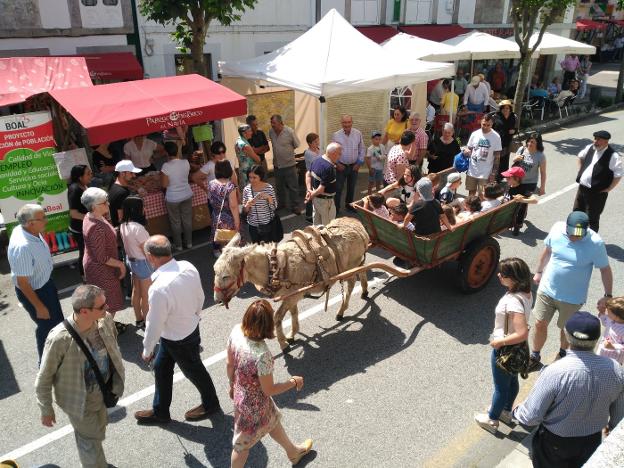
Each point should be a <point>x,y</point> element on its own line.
<point>125,165</point>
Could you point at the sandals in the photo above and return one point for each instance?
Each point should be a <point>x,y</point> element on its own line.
<point>303,451</point>
<point>121,327</point>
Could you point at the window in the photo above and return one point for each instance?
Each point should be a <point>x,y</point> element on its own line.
<point>401,97</point>
<point>184,64</point>
<point>364,12</point>
<point>418,11</point>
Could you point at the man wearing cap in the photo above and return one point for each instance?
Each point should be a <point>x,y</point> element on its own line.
<point>600,170</point>
<point>120,190</point>
<point>477,95</point>
<point>351,159</point>
<point>564,269</point>
<point>574,399</point>
<point>484,148</point>
<point>449,191</point>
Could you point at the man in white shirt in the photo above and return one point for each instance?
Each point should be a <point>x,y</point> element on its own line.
<point>600,170</point>
<point>176,298</point>
<point>477,95</point>
<point>484,149</point>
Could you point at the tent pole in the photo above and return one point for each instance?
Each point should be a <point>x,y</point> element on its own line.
<point>322,122</point>
<point>452,106</point>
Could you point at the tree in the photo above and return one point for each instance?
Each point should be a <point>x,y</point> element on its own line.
<point>191,19</point>
<point>528,15</point>
<point>620,82</point>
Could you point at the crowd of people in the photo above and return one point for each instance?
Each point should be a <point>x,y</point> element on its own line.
<point>413,181</point>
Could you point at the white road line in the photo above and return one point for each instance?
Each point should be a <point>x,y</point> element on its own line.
<point>178,377</point>
<point>554,195</point>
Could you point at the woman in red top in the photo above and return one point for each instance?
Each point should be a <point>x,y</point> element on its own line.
<point>101,265</point>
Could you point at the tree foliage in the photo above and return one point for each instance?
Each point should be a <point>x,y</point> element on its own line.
<point>620,82</point>
<point>191,19</point>
<point>528,17</point>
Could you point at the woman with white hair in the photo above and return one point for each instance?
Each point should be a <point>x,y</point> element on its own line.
<point>442,150</point>
<point>101,265</point>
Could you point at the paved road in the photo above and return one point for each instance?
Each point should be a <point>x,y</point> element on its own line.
<point>393,385</point>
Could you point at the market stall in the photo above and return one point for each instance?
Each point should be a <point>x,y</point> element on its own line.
<point>124,110</point>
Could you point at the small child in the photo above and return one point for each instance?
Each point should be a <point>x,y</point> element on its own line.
<point>398,213</point>
<point>472,207</point>
<point>612,317</point>
<point>449,191</point>
<point>435,182</point>
<point>491,194</point>
<point>450,214</point>
<point>310,154</point>
<point>427,215</point>
<point>375,161</point>
<point>376,203</point>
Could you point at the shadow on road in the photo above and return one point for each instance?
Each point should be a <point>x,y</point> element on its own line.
<point>9,384</point>
<point>530,235</point>
<point>615,252</point>
<point>570,146</point>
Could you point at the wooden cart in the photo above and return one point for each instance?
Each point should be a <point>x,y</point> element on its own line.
<point>470,243</point>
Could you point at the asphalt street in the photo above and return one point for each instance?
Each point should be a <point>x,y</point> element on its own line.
<point>393,385</point>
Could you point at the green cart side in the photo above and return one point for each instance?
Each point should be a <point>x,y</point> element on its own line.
<point>470,243</point>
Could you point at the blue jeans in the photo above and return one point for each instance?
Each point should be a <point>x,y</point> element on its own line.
<point>184,353</point>
<point>506,388</point>
<point>349,176</point>
<point>475,107</point>
<point>49,296</point>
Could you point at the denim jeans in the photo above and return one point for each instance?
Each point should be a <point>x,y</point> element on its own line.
<point>49,296</point>
<point>349,176</point>
<point>184,353</point>
<point>506,388</point>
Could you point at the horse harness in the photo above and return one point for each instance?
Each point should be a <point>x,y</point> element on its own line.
<point>317,248</point>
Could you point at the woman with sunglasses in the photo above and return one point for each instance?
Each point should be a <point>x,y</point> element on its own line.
<point>217,153</point>
<point>511,318</point>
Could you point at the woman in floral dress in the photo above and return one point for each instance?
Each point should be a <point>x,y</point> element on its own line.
<point>247,157</point>
<point>223,202</point>
<point>250,371</point>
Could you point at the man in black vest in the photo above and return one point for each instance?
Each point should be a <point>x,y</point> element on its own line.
<point>600,170</point>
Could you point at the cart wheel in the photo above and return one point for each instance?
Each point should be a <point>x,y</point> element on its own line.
<point>477,264</point>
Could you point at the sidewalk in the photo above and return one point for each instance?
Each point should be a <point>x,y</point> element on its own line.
<point>519,457</point>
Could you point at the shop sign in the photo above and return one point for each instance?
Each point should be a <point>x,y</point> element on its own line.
<point>172,119</point>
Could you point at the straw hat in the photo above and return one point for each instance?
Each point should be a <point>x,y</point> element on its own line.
<point>505,102</point>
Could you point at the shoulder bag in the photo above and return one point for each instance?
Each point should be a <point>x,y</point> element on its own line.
<point>513,359</point>
<point>223,236</point>
<point>273,229</point>
<point>110,399</point>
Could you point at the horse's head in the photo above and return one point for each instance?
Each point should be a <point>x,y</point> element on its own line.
<point>229,271</point>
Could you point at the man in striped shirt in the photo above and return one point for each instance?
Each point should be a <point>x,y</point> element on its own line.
<point>31,267</point>
<point>574,399</point>
<point>351,159</point>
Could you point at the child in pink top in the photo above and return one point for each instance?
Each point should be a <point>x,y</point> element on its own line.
<point>612,317</point>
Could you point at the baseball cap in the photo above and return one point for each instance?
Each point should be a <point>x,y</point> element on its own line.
<point>126,165</point>
<point>425,189</point>
<point>375,133</point>
<point>514,171</point>
<point>577,224</point>
<point>452,178</point>
<point>583,326</point>
<point>602,134</point>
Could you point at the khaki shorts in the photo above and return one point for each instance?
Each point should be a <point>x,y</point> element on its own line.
<point>545,308</point>
<point>475,185</point>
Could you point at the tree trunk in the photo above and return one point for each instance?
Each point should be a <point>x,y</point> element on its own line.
<point>523,80</point>
<point>197,52</point>
<point>620,82</point>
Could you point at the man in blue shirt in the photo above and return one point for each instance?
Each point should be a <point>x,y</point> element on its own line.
<point>321,185</point>
<point>574,399</point>
<point>565,266</point>
<point>31,267</point>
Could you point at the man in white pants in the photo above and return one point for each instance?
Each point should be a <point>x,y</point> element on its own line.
<point>321,185</point>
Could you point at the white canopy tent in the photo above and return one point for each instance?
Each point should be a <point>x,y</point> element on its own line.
<point>483,46</point>
<point>553,44</point>
<point>333,58</point>
<point>402,44</point>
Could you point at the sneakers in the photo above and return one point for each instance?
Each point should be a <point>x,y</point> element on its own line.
<point>534,365</point>
<point>505,417</point>
<point>483,420</point>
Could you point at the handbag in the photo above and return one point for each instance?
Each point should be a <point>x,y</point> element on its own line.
<point>273,228</point>
<point>514,359</point>
<point>110,399</point>
<point>223,236</point>
<point>461,162</point>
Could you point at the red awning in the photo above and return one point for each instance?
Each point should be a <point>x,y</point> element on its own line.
<point>22,77</point>
<point>436,32</point>
<point>114,66</point>
<point>589,25</point>
<point>122,110</point>
<point>378,34</point>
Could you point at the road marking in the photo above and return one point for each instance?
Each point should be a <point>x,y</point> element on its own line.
<point>177,377</point>
<point>554,195</point>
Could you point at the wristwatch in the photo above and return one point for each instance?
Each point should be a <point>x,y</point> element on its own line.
<point>608,295</point>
